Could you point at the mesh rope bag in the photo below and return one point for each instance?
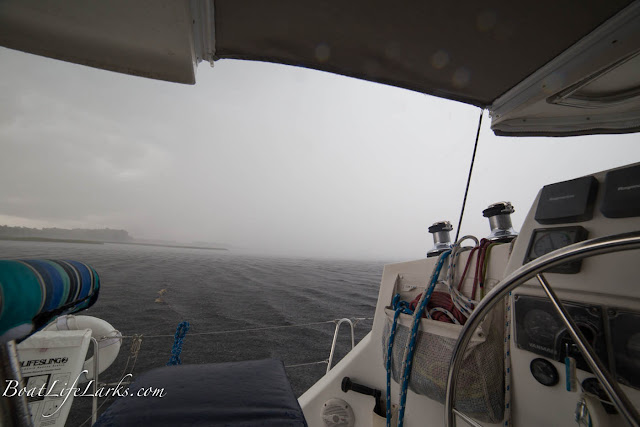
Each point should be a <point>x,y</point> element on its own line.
<point>480,390</point>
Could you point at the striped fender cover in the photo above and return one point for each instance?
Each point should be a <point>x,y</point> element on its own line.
<point>34,291</point>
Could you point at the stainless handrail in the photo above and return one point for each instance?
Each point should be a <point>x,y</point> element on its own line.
<point>335,338</point>
<point>96,372</point>
<point>16,406</point>
<point>469,420</point>
<point>577,251</point>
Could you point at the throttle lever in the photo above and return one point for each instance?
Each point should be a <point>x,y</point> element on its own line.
<point>347,385</point>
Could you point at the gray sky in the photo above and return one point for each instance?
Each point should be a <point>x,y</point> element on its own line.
<point>264,157</point>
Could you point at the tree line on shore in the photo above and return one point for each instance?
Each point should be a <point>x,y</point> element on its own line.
<point>98,235</point>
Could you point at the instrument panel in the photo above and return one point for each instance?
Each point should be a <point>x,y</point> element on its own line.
<point>541,331</point>
<point>545,240</point>
<point>601,294</point>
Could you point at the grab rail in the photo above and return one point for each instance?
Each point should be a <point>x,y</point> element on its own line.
<point>13,410</point>
<point>96,372</point>
<point>335,338</point>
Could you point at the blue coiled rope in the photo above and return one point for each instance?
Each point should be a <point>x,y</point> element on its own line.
<point>399,307</point>
<point>181,332</point>
<point>417,315</point>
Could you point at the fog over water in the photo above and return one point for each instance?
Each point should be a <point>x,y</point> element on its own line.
<point>265,158</point>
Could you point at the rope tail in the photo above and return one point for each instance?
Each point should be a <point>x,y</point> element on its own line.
<point>181,332</point>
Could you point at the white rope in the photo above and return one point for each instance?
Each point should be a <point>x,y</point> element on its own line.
<point>307,364</point>
<point>463,303</point>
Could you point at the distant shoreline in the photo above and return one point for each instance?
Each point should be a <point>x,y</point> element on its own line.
<point>93,242</point>
<point>47,239</point>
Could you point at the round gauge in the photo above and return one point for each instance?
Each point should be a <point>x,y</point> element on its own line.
<point>541,327</point>
<point>550,241</point>
<point>544,372</point>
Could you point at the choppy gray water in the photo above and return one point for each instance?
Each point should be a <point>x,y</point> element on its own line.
<point>219,291</point>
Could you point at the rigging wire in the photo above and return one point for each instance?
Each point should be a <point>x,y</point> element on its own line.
<point>326,361</point>
<point>264,328</point>
<point>466,191</point>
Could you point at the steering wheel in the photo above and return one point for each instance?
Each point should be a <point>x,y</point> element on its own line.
<point>577,251</point>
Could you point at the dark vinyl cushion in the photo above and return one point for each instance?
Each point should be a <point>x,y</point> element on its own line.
<point>250,393</point>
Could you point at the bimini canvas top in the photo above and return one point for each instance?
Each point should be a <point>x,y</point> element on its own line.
<point>546,67</point>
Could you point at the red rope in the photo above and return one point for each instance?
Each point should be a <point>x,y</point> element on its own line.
<point>466,268</point>
<point>443,300</point>
<point>440,299</point>
<point>478,279</point>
